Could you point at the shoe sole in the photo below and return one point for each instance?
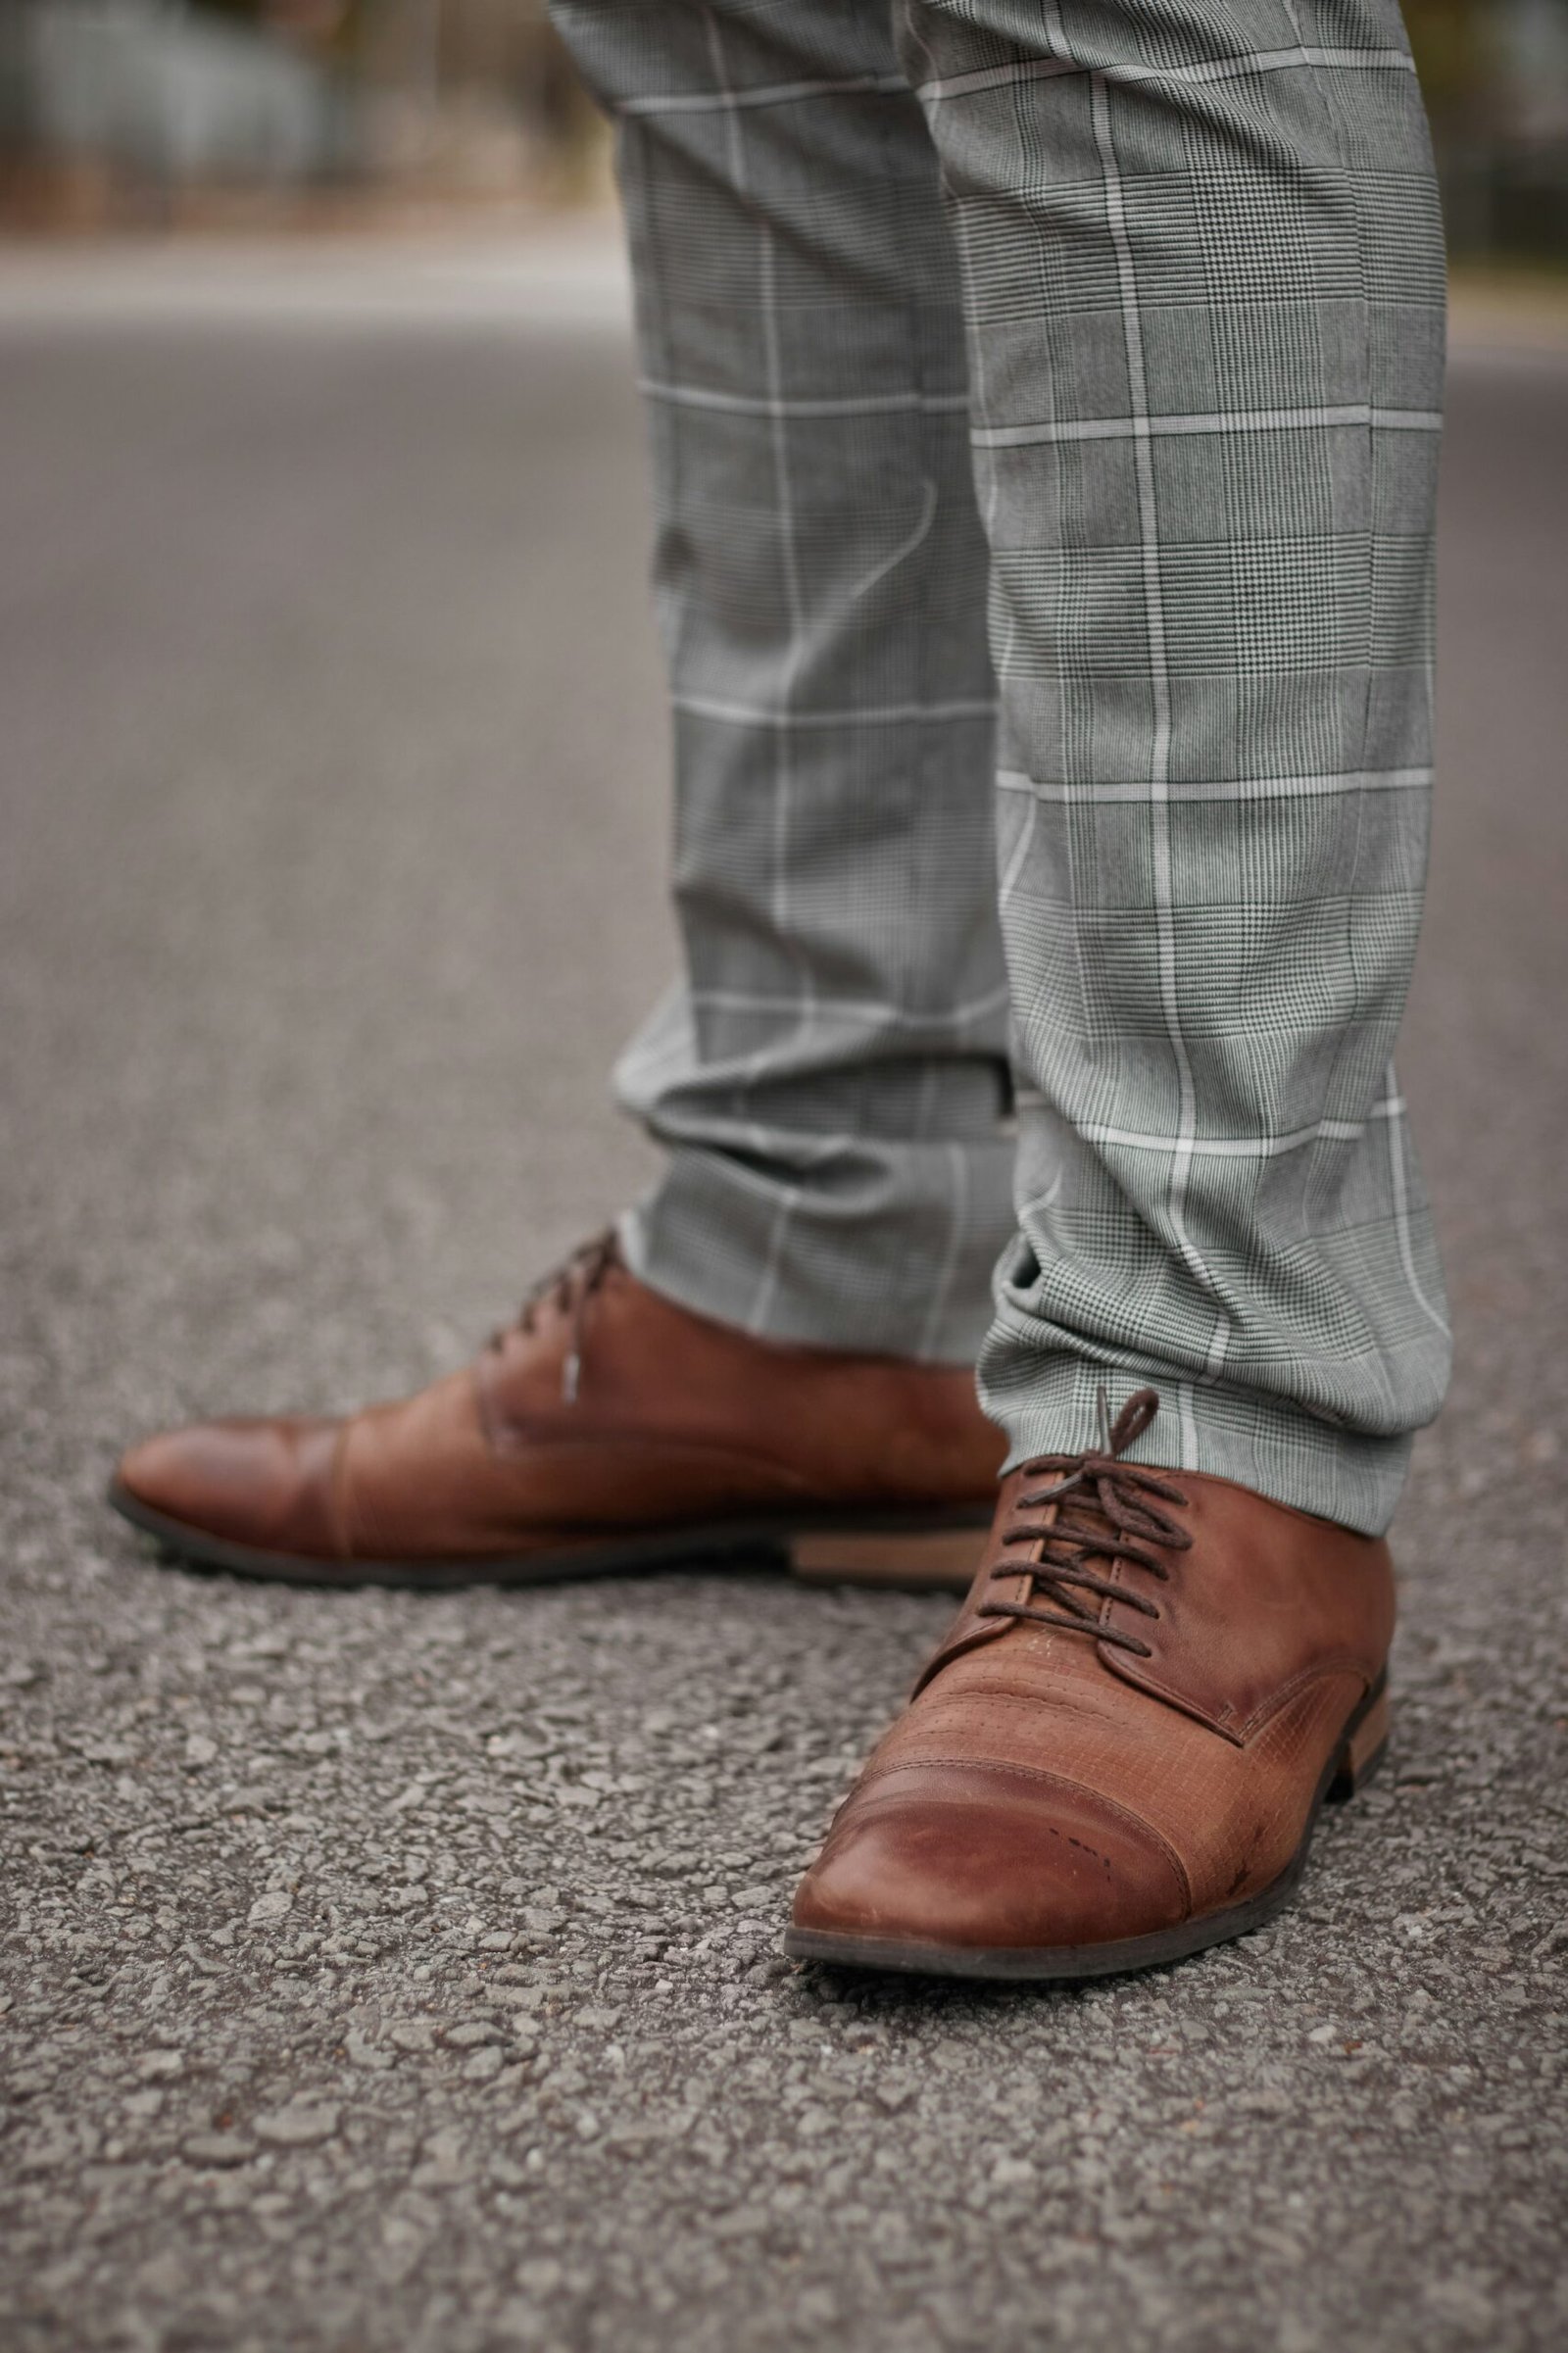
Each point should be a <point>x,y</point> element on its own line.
<point>1360,1750</point>
<point>898,1551</point>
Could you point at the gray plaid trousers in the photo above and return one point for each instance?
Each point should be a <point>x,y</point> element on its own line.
<point>1044,396</point>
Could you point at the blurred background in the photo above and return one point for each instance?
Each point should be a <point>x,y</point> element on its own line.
<point>333,855</point>
<point>120,113</point>
<point>131,111</point>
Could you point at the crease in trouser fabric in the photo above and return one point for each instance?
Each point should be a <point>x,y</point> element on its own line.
<point>1185,268</point>
<point>829,1080</point>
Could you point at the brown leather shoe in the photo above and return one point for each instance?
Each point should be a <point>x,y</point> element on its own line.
<point>1117,1755</point>
<point>607,1429</point>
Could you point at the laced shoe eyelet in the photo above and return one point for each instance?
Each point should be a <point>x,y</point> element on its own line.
<point>1112,1517</point>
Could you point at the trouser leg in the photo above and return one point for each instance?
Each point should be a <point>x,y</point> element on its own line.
<point>1204,285</point>
<point>830,1078</point>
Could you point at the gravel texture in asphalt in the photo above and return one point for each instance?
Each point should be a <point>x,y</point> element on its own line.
<point>382,1971</point>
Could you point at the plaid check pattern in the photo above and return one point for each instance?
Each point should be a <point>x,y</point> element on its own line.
<point>1045,396</point>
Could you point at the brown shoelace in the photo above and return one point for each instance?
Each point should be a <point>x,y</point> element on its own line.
<point>570,1286</point>
<point>1106,1511</point>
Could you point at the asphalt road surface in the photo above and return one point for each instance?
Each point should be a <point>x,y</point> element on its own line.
<point>388,1971</point>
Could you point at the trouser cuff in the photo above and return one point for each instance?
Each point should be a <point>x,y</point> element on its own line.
<point>893,1261</point>
<point>1048,1404</point>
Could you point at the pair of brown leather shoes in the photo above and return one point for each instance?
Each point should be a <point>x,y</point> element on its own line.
<point>1116,1756</point>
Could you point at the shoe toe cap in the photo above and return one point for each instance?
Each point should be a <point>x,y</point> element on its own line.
<point>265,1485</point>
<point>974,1859</point>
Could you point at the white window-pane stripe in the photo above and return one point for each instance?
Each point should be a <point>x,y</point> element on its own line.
<point>779,94</point>
<point>1401,1208</point>
<point>850,1008</point>
<point>1247,1148</point>
<point>884,714</point>
<point>1217,788</point>
<point>1159,761</point>
<point>743,403</point>
<point>1245,421</point>
<point>1218,69</point>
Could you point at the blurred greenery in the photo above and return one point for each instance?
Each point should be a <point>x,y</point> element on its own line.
<point>1495,73</point>
<point>1453,44</point>
<point>506,47</point>
<point>477,98</point>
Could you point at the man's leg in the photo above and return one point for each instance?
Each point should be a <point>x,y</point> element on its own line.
<point>780,1352</point>
<point>830,1078</point>
<point>1202,275</point>
<point>1203,281</point>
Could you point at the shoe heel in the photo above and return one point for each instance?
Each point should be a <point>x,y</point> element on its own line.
<point>919,1560</point>
<point>1363,1753</point>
